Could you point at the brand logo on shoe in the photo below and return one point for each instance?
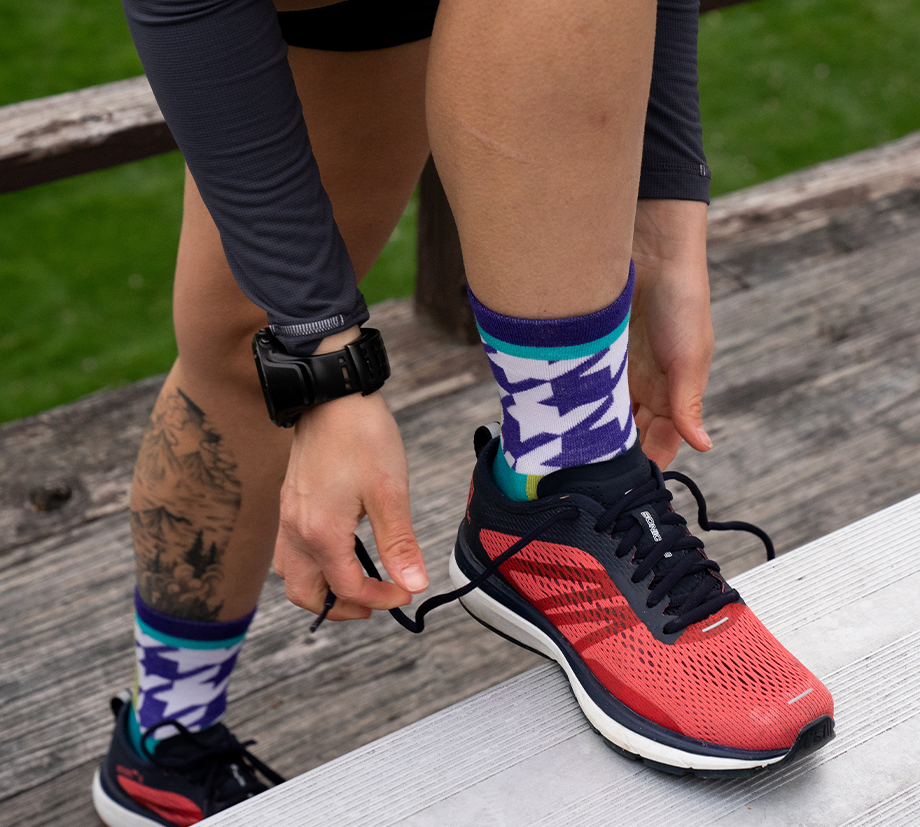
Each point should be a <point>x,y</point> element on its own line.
<point>128,772</point>
<point>238,775</point>
<point>656,535</point>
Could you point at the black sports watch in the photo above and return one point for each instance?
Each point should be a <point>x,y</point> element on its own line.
<point>294,384</point>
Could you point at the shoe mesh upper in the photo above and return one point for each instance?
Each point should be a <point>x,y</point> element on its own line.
<point>727,682</point>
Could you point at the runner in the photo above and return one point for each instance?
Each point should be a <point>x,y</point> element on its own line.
<point>578,182</point>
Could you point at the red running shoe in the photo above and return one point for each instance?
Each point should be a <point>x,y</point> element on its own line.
<point>667,662</point>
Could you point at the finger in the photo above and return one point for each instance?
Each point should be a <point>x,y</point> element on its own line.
<point>311,543</point>
<point>643,418</point>
<point>304,583</point>
<point>399,551</point>
<point>686,388</point>
<point>308,591</point>
<point>659,438</point>
<point>348,580</point>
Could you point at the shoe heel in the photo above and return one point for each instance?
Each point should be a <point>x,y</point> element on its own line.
<point>489,611</point>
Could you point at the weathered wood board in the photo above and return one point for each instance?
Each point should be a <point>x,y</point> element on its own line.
<point>95,128</point>
<point>814,406</point>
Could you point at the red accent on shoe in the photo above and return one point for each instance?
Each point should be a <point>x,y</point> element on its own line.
<point>129,772</point>
<point>176,808</point>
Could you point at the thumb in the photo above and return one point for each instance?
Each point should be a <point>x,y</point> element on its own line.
<point>687,385</point>
<point>399,551</point>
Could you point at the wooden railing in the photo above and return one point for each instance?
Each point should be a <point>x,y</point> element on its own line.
<point>103,126</point>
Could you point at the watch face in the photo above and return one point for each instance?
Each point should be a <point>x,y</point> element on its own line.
<point>282,376</point>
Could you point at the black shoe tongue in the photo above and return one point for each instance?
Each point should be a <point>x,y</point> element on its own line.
<point>605,482</point>
<point>235,781</point>
<point>181,746</point>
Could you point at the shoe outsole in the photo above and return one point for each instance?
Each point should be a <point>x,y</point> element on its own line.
<point>510,625</point>
<point>812,736</point>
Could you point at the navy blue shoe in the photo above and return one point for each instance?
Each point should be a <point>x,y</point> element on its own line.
<point>191,776</point>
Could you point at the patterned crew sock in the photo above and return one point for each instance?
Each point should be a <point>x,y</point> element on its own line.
<point>183,670</point>
<point>564,391</point>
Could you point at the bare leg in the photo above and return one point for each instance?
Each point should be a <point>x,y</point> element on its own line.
<point>206,485</point>
<point>536,118</point>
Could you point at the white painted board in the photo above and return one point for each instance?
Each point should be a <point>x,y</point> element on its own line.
<point>847,605</point>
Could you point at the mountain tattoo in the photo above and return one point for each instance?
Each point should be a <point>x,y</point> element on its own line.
<point>184,503</point>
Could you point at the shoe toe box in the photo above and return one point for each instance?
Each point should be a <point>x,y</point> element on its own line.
<point>725,682</point>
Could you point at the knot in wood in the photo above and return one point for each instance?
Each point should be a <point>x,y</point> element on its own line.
<point>50,496</point>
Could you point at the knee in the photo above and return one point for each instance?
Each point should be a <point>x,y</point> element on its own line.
<point>215,342</point>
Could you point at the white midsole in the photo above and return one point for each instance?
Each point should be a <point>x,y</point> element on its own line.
<point>112,813</point>
<point>499,617</point>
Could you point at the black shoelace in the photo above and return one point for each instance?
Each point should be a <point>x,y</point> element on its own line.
<point>689,607</point>
<point>212,762</point>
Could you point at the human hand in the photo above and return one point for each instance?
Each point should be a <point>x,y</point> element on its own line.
<point>670,330</point>
<point>347,460</point>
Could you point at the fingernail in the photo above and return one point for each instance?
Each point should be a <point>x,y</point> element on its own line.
<point>704,436</point>
<point>415,578</point>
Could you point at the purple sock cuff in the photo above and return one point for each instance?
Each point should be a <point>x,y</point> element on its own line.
<point>190,629</point>
<point>549,333</point>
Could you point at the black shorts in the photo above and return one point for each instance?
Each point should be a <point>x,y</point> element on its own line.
<point>359,25</point>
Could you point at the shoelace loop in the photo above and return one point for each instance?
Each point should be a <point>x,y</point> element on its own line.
<point>708,596</point>
<point>705,599</point>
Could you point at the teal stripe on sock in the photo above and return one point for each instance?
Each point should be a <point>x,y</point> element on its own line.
<point>134,735</point>
<point>556,354</point>
<point>183,643</point>
<point>511,483</point>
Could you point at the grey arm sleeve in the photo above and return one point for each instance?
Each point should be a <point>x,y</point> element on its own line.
<point>219,71</point>
<point>673,161</point>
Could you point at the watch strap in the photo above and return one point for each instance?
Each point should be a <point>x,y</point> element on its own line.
<point>361,366</point>
<point>293,384</point>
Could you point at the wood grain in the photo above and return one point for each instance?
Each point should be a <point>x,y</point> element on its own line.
<point>90,129</point>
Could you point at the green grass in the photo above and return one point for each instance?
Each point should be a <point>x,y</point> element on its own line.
<point>85,292</point>
<point>86,267</point>
<point>788,83</point>
<point>86,264</point>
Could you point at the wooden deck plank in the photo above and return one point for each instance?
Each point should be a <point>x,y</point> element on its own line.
<point>63,135</point>
<point>813,405</point>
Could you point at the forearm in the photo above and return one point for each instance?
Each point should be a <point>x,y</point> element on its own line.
<point>220,75</point>
<point>673,161</point>
<point>672,231</point>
